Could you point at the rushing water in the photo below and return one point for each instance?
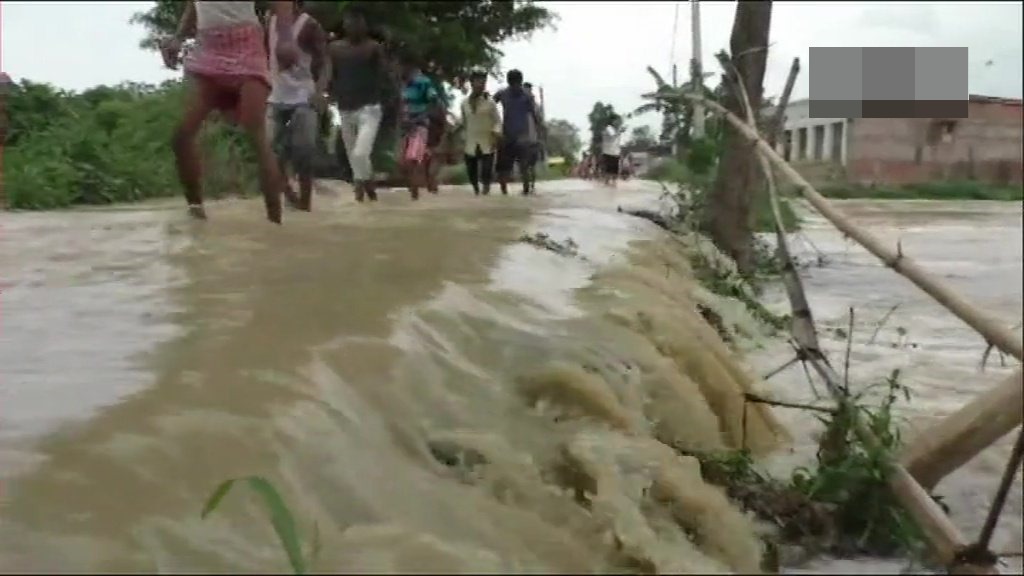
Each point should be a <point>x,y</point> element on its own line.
<point>433,394</point>
<point>975,247</point>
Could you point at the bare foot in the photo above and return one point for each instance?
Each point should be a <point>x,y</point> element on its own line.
<point>274,213</point>
<point>197,211</point>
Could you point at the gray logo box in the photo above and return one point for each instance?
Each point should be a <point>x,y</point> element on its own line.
<point>888,82</point>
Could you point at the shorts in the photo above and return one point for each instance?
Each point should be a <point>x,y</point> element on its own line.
<point>293,130</point>
<point>512,153</point>
<point>224,59</point>
<point>610,164</point>
<point>414,145</point>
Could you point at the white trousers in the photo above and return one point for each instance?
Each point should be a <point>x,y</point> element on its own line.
<point>358,132</point>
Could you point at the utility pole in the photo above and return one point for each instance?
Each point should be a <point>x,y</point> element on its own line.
<point>675,81</point>
<point>698,70</point>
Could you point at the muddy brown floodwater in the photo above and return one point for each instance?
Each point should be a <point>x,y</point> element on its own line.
<point>434,394</point>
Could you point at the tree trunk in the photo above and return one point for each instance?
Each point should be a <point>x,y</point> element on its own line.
<point>728,218</point>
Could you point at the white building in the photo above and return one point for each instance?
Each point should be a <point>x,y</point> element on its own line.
<point>807,139</point>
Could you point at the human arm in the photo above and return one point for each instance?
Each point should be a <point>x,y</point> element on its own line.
<point>538,120</point>
<point>495,121</point>
<point>313,39</point>
<point>170,48</point>
<point>387,79</point>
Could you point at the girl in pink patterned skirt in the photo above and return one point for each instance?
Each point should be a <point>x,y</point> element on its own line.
<point>228,72</point>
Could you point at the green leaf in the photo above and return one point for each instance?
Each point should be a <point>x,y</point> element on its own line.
<point>280,516</point>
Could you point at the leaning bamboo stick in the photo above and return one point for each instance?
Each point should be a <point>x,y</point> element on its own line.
<point>945,539</point>
<point>950,443</point>
<point>993,331</point>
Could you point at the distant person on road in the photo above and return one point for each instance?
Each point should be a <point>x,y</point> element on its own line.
<point>482,128</point>
<point>358,86</point>
<point>611,150</point>
<point>227,71</point>
<point>420,100</point>
<point>297,100</point>
<point>516,149</point>
<point>536,125</point>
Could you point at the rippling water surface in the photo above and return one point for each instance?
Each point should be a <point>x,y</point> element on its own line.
<point>434,394</point>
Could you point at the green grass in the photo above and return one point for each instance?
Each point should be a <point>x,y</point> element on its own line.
<point>842,504</point>
<point>967,190</point>
<point>281,519</point>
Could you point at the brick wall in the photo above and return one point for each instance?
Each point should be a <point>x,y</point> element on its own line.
<point>986,146</point>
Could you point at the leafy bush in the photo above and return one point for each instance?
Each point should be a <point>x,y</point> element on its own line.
<point>702,156</point>
<point>695,186</point>
<point>109,144</point>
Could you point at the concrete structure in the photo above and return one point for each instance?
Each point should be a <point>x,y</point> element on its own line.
<point>986,146</point>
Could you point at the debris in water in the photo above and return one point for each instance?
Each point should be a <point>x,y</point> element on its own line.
<point>567,247</point>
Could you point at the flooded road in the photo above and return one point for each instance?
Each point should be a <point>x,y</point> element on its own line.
<point>434,394</point>
<point>976,247</point>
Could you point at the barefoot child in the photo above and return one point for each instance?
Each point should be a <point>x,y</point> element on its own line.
<point>420,100</point>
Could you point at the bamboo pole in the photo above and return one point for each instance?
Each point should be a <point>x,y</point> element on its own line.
<point>949,444</point>
<point>990,329</point>
<point>947,542</point>
<point>779,118</point>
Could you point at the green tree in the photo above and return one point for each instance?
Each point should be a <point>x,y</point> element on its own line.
<point>453,37</point>
<point>563,139</point>
<point>677,111</point>
<point>600,117</point>
<point>642,137</point>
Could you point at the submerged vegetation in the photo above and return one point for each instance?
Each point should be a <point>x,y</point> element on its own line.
<point>842,504</point>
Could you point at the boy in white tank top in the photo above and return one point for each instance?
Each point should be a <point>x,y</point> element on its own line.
<point>228,72</point>
<point>297,99</point>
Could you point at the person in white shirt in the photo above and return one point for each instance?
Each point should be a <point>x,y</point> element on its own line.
<point>297,98</point>
<point>611,150</point>
<point>482,128</point>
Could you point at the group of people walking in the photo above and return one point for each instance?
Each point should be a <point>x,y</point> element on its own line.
<point>274,78</point>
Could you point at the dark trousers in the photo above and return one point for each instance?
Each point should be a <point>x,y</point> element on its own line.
<point>480,168</point>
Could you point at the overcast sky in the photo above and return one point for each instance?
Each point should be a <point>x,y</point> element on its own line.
<point>598,51</point>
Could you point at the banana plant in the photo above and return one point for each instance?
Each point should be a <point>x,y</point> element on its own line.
<point>677,111</point>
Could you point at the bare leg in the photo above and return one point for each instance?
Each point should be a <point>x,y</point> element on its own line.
<point>186,154</point>
<point>304,133</point>
<point>414,173</point>
<point>252,102</point>
<point>431,169</point>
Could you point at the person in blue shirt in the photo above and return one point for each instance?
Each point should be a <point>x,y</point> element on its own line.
<point>420,101</point>
<point>520,114</point>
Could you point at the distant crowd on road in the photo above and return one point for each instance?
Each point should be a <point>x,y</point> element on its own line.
<point>607,164</point>
<point>275,78</point>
